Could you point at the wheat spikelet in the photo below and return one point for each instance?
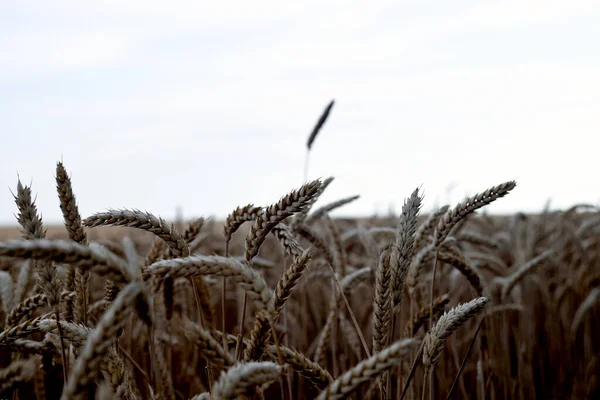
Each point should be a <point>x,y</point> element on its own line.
<point>293,202</point>
<point>310,370</point>
<point>156,251</point>
<point>301,216</point>
<point>47,279</point>
<point>382,306</point>
<point>259,336</point>
<point>286,238</point>
<point>68,205</point>
<point>32,229</point>
<point>319,124</point>
<point>208,346</point>
<point>117,377</point>
<point>402,251</point>
<point>242,377</point>
<point>30,304</point>
<point>450,321</point>
<point>289,280</point>
<point>72,220</point>
<point>237,217</point>
<point>193,230</point>
<point>468,206</point>
<point>12,333</point>
<point>28,217</point>
<point>367,370</point>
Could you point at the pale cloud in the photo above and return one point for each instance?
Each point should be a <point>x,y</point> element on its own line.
<point>208,104</point>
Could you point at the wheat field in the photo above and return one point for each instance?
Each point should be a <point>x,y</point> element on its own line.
<point>283,301</point>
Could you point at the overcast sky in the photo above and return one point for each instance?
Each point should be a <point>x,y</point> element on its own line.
<point>207,105</point>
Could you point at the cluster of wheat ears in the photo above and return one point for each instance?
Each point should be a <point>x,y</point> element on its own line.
<point>296,304</point>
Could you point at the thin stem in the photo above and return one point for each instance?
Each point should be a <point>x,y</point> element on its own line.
<point>223,300</point>
<point>62,347</point>
<point>391,340</point>
<point>134,363</point>
<point>279,355</point>
<point>334,335</point>
<point>354,321</point>
<point>435,261</point>
<point>412,371</point>
<point>238,346</point>
<point>464,361</point>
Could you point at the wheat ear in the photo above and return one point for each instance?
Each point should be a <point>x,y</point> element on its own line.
<point>47,280</point>
<point>468,206</point>
<point>310,370</point>
<point>238,217</point>
<point>367,370</point>
<point>72,219</point>
<point>382,305</point>
<point>260,334</point>
<point>293,202</point>
<point>300,217</point>
<point>286,238</point>
<point>208,346</point>
<point>242,377</point>
<point>402,251</point>
<point>450,321</point>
